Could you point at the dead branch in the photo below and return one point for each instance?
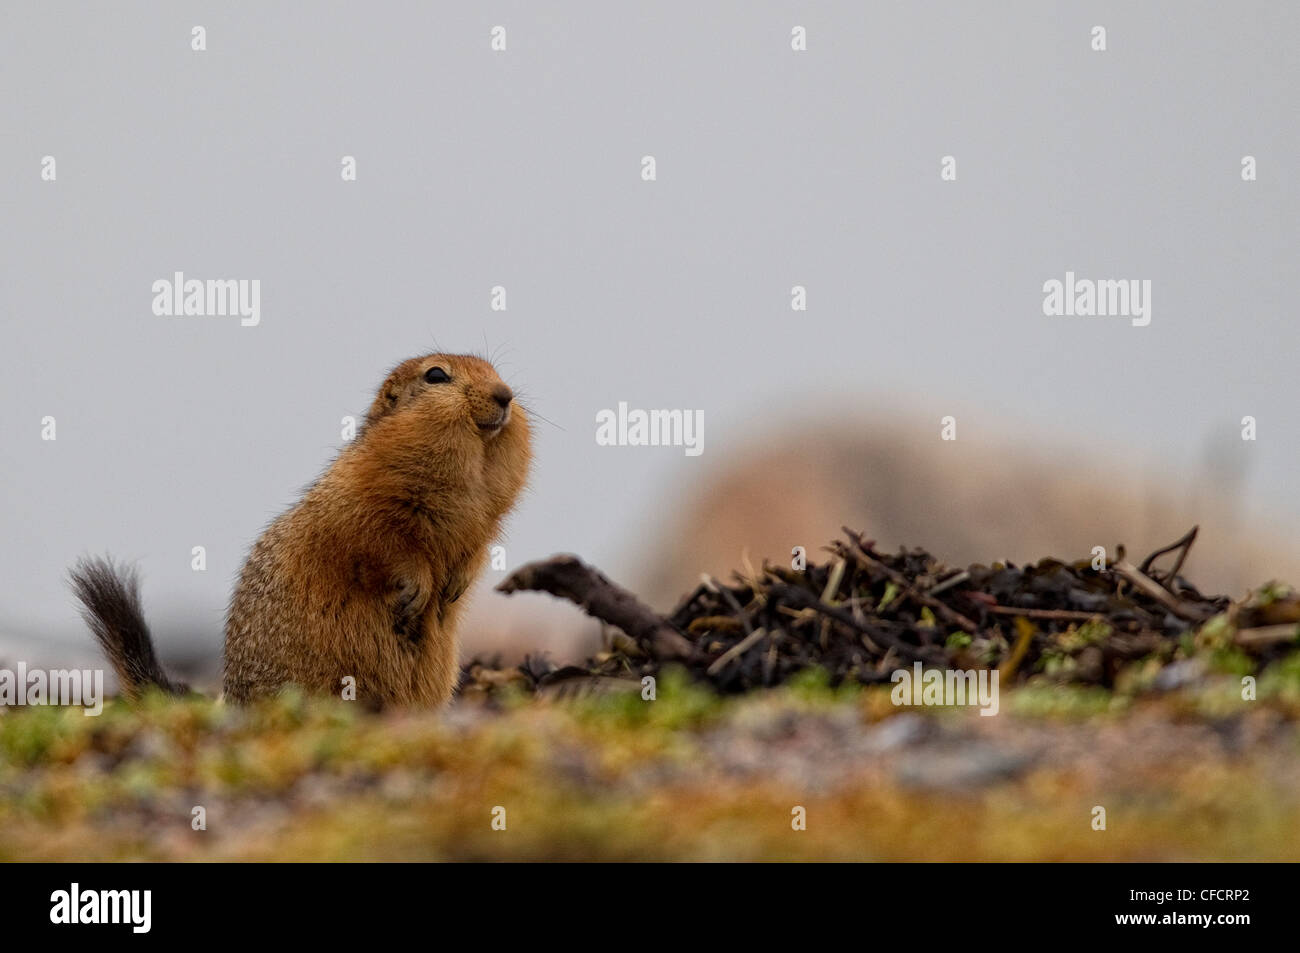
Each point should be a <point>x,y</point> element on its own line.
<point>1157,592</point>
<point>1050,615</point>
<point>568,577</point>
<point>1266,635</point>
<point>1183,544</point>
<point>737,650</point>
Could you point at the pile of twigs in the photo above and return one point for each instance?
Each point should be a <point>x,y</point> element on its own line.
<point>864,614</point>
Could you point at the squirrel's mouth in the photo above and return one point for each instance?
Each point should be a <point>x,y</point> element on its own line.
<point>491,427</point>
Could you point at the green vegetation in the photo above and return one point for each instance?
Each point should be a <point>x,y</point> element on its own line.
<point>1179,714</point>
<point>688,775</point>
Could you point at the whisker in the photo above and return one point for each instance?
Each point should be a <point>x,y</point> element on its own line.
<point>533,413</point>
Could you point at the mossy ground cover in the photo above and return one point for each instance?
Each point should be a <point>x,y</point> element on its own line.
<point>1136,720</point>
<point>1195,772</point>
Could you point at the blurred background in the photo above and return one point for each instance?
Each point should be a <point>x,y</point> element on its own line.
<point>775,168</point>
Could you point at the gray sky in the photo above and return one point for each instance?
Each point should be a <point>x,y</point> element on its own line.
<point>522,169</point>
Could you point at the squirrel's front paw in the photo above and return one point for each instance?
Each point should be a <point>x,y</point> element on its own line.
<point>409,603</point>
<point>453,589</point>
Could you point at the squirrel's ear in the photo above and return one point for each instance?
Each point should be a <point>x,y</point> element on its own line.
<point>385,401</point>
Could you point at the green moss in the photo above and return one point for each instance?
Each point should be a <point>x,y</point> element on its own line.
<point>1269,593</point>
<point>1138,677</point>
<point>957,641</point>
<point>1231,660</point>
<point>1080,636</point>
<point>679,702</point>
<point>613,777</point>
<point>1281,680</point>
<point>1040,699</point>
<point>1216,633</point>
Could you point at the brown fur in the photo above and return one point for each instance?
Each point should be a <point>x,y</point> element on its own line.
<point>363,577</point>
<point>110,600</point>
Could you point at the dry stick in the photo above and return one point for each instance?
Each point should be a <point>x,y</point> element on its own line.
<point>1051,615</point>
<point>948,613</point>
<point>833,582</point>
<point>740,648</point>
<point>808,601</point>
<point>735,606</point>
<point>1178,563</point>
<point>751,636</point>
<point>1156,591</point>
<point>1266,635</point>
<point>1184,543</point>
<point>954,580</point>
<point>855,609</point>
<point>568,577</point>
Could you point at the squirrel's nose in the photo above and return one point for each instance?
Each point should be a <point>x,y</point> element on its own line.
<point>503,395</point>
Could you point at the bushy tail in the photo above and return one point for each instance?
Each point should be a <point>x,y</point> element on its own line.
<point>110,604</point>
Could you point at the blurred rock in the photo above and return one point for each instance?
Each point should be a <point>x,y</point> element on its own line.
<point>969,500</point>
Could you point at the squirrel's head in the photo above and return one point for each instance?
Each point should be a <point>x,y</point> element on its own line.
<point>444,438</point>
<point>455,392</point>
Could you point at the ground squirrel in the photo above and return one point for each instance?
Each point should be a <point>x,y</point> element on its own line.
<point>362,577</point>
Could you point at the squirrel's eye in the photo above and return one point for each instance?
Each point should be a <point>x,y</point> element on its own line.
<point>436,375</point>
